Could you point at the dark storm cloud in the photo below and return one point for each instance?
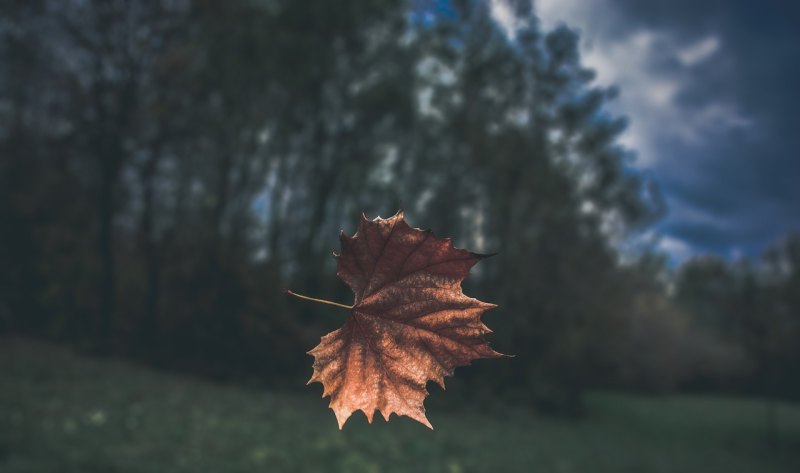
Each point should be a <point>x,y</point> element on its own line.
<point>713,96</point>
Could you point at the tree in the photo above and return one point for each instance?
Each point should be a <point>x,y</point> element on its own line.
<point>214,149</point>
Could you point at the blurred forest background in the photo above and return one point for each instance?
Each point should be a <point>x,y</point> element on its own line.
<point>168,168</point>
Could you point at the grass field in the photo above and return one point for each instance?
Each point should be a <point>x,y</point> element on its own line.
<point>64,413</point>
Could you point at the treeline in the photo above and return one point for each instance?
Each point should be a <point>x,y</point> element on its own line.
<point>170,167</point>
<point>755,306</point>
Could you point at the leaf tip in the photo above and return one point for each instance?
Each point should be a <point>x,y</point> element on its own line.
<point>426,422</point>
<point>341,417</point>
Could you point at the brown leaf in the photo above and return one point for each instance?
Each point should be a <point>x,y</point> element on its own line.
<point>410,323</point>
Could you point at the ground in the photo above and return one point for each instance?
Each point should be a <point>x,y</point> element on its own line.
<point>60,412</point>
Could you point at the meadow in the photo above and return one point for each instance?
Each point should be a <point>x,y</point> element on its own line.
<point>62,412</point>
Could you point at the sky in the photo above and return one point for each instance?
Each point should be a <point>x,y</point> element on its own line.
<point>711,89</point>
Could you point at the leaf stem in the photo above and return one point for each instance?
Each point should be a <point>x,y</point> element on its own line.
<point>318,300</point>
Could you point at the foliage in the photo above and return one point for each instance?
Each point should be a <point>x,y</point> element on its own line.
<point>169,167</point>
<point>755,307</point>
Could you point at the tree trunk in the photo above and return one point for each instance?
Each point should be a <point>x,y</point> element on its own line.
<point>153,260</point>
<point>107,283</point>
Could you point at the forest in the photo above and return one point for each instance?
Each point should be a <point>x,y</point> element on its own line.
<point>169,168</point>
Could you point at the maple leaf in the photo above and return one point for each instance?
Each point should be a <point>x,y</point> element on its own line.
<point>410,322</point>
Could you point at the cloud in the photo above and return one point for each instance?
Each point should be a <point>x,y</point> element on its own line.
<point>706,88</point>
<point>651,68</point>
<point>502,13</point>
<point>678,250</point>
<point>698,52</point>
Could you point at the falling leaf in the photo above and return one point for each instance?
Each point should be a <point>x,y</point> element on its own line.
<point>410,322</point>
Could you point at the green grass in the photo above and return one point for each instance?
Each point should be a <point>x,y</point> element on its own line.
<point>64,413</point>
